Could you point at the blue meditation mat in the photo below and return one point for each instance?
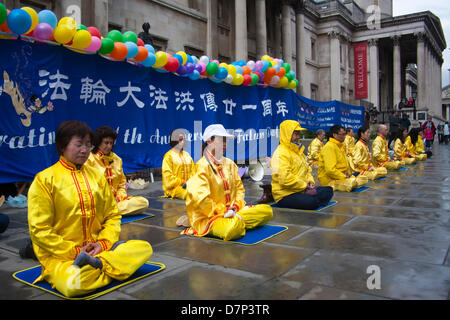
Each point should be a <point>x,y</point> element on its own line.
<point>126,219</point>
<point>28,276</point>
<point>254,236</point>
<point>360,189</point>
<point>382,178</point>
<point>331,203</point>
<point>403,169</point>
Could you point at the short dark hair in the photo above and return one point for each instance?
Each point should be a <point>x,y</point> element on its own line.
<point>349,129</point>
<point>335,130</point>
<point>101,133</point>
<point>69,129</point>
<point>363,129</point>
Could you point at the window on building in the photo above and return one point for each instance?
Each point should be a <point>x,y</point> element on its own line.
<point>114,26</point>
<point>224,59</point>
<point>313,49</point>
<point>194,51</point>
<point>37,5</point>
<point>314,90</point>
<point>193,4</point>
<point>160,44</point>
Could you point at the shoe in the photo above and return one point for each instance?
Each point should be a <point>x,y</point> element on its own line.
<point>183,221</point>
<point>27,252</point>
<point>267,194</point>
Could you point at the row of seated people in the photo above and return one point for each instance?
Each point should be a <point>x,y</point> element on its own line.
<point>76,205</point>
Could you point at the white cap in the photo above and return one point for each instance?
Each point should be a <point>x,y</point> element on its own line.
<point>215,130</point>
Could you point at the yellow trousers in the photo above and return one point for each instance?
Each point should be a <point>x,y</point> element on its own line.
<point>375,173</point>
<point>409,160</point>
<point>234,228</point>
<point>132,206</point>
<point>420,157</point>
<point>393,165</point>
<point>118,264</point>
<point>347,185</point>
<point>179,193</point>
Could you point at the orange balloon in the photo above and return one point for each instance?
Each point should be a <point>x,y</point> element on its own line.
<point>246,70</point>
<point>271,72</point>
<point>142,54</point>
<point>120,51</point>
<point>282,72</point>
<point>267,78</point>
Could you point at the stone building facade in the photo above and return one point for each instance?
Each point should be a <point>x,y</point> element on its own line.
<point>404,53</point>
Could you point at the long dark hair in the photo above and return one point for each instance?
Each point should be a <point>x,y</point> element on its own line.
<point>205,144</point>
<point>361,130</point>
<point>100,133</point>
<point>400,134</point>
<point>414,135</point>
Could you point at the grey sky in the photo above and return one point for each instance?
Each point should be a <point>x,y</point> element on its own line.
<point>441,8</point>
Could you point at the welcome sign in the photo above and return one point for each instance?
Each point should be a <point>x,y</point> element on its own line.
<point>360,56</point>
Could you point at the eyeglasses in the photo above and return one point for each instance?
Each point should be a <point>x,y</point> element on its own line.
<point>81,146</point>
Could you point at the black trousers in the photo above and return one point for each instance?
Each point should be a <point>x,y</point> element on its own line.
<point>307,202</point>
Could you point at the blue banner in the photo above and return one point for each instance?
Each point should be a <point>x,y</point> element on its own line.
<point>43,85</point>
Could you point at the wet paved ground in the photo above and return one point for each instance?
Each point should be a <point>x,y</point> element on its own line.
<point>401,225</point>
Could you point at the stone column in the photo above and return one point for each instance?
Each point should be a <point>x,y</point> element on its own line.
<point>240,12</point>
<point>335,63</point>
<point>374,83</point>
<point>397,73</point>
<point>421,85</point>
<point>300,43</point>
<point>212,49</point>
<point>261,28</point>
<point>95,13</point>
<point>286,34</point>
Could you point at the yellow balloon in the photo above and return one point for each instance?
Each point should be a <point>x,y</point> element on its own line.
<point>34,18</point>
<point>183,55</point>
<point>292,84</point>
<point>238,79</point>
<point>223,65</point>
<point>265,57</point>
<point>69,21</point>
<point>232,70</point>
<point>161,59</point>
<point>283,82</point>
<point>82,39</point>
<point>63,34</point>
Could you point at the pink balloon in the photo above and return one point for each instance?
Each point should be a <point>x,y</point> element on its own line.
<point>95,45</point>
<point>43,31</point>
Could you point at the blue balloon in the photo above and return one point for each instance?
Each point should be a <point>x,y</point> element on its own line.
<point>189,59</point>
<point>194,75</point>
<point>189,67</point>
<point>49,17</point>
<point>265,66</point>
<point>179,58</point>
<point>194,60</point>
<point>149,48</point>
<point>150,61</point>
<point>19,21</point>
<point>241,63</point>
<point>239,70</point>
<point>181,70</point>
<point>222,73</point>
<point>132,49</point>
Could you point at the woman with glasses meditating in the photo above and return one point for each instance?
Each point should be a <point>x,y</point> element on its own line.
<point>74,221</point>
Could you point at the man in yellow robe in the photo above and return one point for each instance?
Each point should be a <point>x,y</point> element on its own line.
<point>315,147</point>
<point>380,151</point>
<point>411,141</point>
<point>360,159</point>
<point>74,221</point>
<point>401,152</point>
<point>110,164</point>
<point>334,169</point>
<point>177,168</point>
<point>215,194</point>
<point>349,141</point>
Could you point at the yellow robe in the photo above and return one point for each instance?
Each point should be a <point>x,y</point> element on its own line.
<point>290,172</point>
<point>68,208</point>
<point>420,148</point>
<point>349,143</point>
<point>380,155</point>
<point>401,153</point>
<point>361,162</point>
<point>412,149</point>
<point>111,167</point>
<point>211,192</point>
<point>314,149</point>
<point>177,168</point>
<point>334,166</point>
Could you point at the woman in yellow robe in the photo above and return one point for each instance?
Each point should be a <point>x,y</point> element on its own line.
<point>401,152</point>
<point>380,151</point>
<point>334,169</point>
<point>292,182</point>
<point>315,147</point>
<point>177,168</point>
<point>349,141</point>
<point>420,147</point>
<point>411,141</point>
<point>360,159</point>
<point>74,222</point>
<point>107,162</point>
<point>215,194</point>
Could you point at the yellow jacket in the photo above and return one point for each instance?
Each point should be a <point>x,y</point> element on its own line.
<point>412,149</point>
<point>400,150</point>
<point>177,168</point>
<point>211,191</point>
<point>420,148</point>
<point>290,172</point>
<point>360,160</point>
<point>349,143</point>
<point>111,167</point>
<point>333,164</point>
<point>68,208</point>
<point>380,151</point>
<point>314,149</point>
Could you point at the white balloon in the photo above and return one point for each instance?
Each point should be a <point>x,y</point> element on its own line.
<point>204,59</point>
<point>229,79</point>
<point>251,65</point>
<point>275,80</point>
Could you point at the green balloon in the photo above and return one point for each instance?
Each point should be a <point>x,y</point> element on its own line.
<point>107,46</point>
<point>212,68</point>
<point>115,35</point>
<point>82,27</point>
<point>289,76</point>
<point>286,66</point>
<point>255,79</point>
<point>130,36</point>
<point>3,13</point>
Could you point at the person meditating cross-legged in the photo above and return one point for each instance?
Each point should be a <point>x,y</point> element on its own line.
<point>292,182</point>
<point>413,145</point>
<point>106,161</point>
<point>380,151</point>
<point>74,221</point>
<point>401,152</point>
<point>215,194</point>
<point>315,147</point>
<point>334,169</point>
<point>360,159</point>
